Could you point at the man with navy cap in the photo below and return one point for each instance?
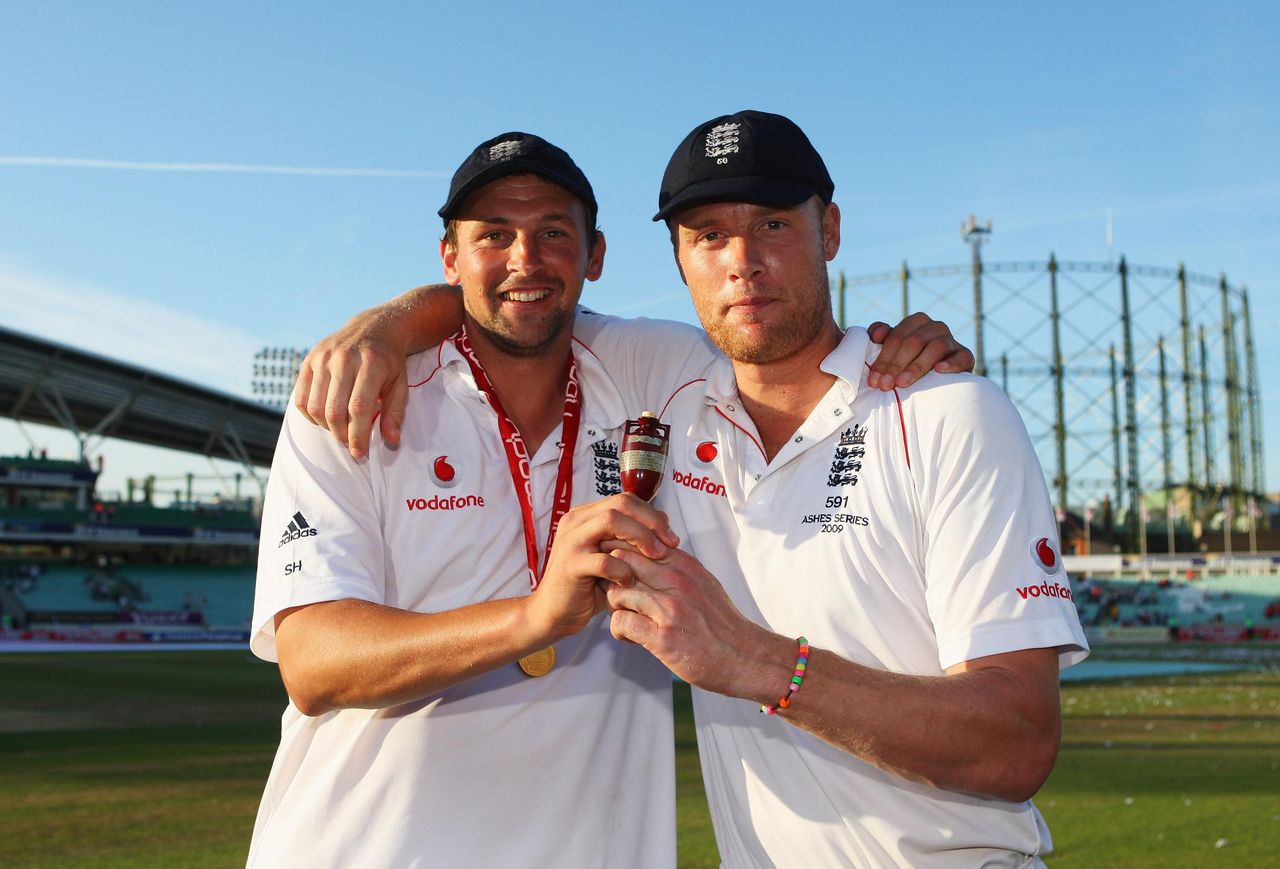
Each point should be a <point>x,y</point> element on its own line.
<point>872,609</point>
<point>453,699</point>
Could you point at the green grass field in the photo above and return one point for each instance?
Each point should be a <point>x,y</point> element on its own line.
<point>158,759</point>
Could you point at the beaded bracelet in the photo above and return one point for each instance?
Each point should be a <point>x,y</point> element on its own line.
<point>797,678</point>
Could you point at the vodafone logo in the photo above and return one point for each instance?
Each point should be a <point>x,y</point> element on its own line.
<point>698,484</point>
<point>1044,589</point>
<point>443,474</point>
<point>437,502</point>
<point>1044,555</point>
<point>704,454</point>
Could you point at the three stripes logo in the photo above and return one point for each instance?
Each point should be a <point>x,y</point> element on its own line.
<point>297,528</point>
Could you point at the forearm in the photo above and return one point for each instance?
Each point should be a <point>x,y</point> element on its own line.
<point>423,316</point>
<point>990,726</point>
<point>990,730</point>
<point>357,374</point>
<point>355,654</point>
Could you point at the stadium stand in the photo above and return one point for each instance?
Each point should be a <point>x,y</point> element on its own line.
<point>78,566</point>
<point>74,566</point>
<point>177,597</point>
<point>48,383</point>
<point>63,588</point>
<point>222,595</point>
<point>1197,603</point>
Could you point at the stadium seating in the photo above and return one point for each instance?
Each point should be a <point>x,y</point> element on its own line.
<point>1131,600</point>
<point>226,592</point>
<point>144,515</point>
<point>63,588</point>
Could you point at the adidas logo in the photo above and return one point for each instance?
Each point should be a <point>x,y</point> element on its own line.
<point>297,528</point>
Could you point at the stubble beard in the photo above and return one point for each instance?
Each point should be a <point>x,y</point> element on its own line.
<point>760,346</point>
<point>498,331</point>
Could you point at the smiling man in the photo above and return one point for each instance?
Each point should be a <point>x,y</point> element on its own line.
<point>453,699</point>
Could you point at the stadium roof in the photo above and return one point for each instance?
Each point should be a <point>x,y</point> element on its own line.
<point>93,396</point>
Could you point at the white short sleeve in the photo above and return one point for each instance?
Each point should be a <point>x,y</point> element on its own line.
<point>321,535</point>
<point>993,568</point>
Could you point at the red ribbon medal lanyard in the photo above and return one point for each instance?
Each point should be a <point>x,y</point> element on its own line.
<point>518,454</point>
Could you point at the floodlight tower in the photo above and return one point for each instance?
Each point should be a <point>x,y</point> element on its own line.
<point>277,368</point>
<point>976,236</point>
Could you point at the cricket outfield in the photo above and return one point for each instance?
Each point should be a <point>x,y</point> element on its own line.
<point>157,759</point>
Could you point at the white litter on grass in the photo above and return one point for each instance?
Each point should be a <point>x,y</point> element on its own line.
<point>1128,801</point>
<point>1221,843</point>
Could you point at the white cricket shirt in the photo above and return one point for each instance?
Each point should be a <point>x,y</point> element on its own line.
<point>907,531</point>
<point>571,769</point>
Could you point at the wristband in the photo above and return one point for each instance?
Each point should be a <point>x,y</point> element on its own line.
<point>797,679</point>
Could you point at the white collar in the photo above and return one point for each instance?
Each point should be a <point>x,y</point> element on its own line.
<point>603,407</point>
<point>847,362</point>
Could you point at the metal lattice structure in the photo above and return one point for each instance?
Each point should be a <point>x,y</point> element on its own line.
<point>1138,384</point>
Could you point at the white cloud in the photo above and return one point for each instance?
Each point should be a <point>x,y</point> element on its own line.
<point>112,324</point>
<point>253,168</point>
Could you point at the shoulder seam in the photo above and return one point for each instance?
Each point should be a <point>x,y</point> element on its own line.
<point>587,347</point>
<point>677,391</point>
<point>439,365</point>
<point>902,423</point>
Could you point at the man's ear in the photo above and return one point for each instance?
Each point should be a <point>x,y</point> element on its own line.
<point>595,260</point>
<point>831,231</point>
<point>449,258</point>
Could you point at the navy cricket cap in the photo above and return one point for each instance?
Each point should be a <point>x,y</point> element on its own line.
<point>518,154</point>
<point>748,156</point>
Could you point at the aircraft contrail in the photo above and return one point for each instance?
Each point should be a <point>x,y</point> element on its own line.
<point>83,163</point>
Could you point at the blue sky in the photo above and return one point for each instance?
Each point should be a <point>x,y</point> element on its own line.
<point>136,218</point>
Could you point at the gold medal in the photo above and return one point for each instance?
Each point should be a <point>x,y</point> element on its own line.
<point>540,662</point>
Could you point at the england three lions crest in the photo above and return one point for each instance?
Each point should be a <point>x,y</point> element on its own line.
<point>847,461</point>
<point>608,471</point>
